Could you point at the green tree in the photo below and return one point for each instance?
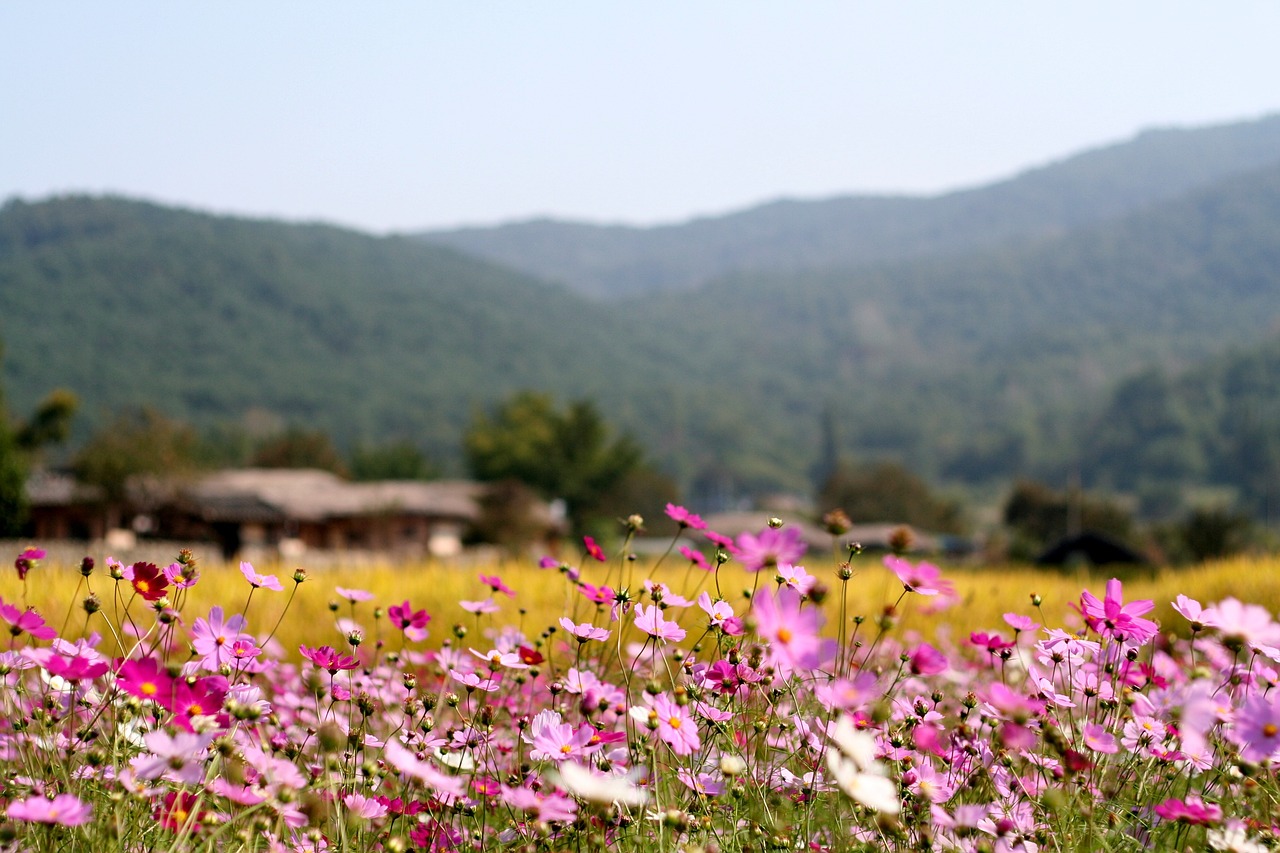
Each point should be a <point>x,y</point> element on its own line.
<point>569,453</point>
<point>298,447</point>
<point>886,491</point>
<point>396,460</point>
<point>136,442</point>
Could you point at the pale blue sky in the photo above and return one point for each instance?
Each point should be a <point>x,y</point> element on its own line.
<point>400,116</point>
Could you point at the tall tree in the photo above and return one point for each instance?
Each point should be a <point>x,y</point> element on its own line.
<point>569,453</point>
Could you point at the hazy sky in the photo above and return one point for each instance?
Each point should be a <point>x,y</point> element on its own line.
<point>408,115</point>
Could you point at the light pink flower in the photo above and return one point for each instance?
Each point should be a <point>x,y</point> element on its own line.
<point>257,580</point>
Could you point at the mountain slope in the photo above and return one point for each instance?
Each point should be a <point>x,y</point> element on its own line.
<point>615,261</point>
<point>207,318</point>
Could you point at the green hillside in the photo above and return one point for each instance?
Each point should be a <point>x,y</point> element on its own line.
<point>970,367</point>
<point>614,261</point>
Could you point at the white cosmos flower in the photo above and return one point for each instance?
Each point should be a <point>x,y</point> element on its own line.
<point>596,787</point>
<point>854,768</point>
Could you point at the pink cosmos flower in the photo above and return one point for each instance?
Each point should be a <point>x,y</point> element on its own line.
<point>1097,738</point>
<point>922,579</point>
<point>553,739</point>
<point>675,727</point>
<point>212,638</point>
<point>1191,610</point>
<point>1112,617</point>
<point>406,762</point>
<point>63,810</point>
<point>257,580</point>
<point>684,518</point>
<point>180,576</point>
<point>1245,624</point>
<point>1018,622</point>
<point>28,621</point>
<point>412,622</point>
<point>796,577</point>
<point>488,605</point>
<point>27,561</point>
<point>724,543</point>
<point>497,659</point>
<point>584,631</point>
<point>792,630</point>
<point>770,547</point>
<point>651,622</point>
<point>695,557</point>
<point>178,758</point>
<point>146,679</point>
<point>495,583</point>
<point>326,658</point>
<point>1256,728</point>
<point>75,667</point>
<point>593,550</point>
<point>926,660</point>
<point>353,595</point>
<point>1192,810</point>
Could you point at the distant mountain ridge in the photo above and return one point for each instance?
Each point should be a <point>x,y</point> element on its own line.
<point>618,261</point>
<point>981,362</point>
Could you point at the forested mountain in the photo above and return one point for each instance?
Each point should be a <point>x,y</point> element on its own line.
<point>969,366</point>
<point>615,261</point>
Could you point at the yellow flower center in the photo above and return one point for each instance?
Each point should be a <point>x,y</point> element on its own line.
<point>1270,730</point>
<point>149,688</point>
<point>784,635</point>
<point>674,722</point>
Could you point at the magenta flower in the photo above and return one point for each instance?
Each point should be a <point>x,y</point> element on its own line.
<point>28,621</point>
<point>495,583</point>
<point>593,550</point>
<point>1192,810</point>
<point>27,561</point>
<point>326,658</point>
<point>146,679</point>
<point>412,622</point>
<point>256,580</point>
<point>70,668</point>
<point>684,518</point>
<point>63,810</point>
<point>926,660</point>
<point>1113,618</point>
<point>651,622</point>
<point>695,557</point>
<point>770,547</point>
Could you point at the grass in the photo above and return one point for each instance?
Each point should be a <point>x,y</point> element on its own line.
<point>985,593</point>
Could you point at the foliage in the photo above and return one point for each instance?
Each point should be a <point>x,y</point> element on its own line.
<point>567,454</point>
<point>136,442</point>
<point>887,492</point>
<point>1038,516</point>
<point>394,460</point>
<point>298,447</point>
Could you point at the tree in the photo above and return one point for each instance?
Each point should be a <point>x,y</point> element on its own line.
<point>886,491</point>
<point>137,442</point>
<point>397,460</point>
<point>298,447</point>
<point>570,454</point>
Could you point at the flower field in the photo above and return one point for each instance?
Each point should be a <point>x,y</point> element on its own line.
<point>747,696</point>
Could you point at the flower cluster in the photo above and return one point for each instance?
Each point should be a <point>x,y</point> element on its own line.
<point>649,717</point>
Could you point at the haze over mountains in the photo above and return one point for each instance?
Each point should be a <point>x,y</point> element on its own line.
<point>976,336</point>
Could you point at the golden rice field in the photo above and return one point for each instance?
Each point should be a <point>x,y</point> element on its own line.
<point>543,595</point>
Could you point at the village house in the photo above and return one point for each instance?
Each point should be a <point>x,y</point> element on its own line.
<point>285,511</point>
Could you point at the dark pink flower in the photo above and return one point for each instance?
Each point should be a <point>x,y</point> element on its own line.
<point>27,561</point>
<point>926,660</point>
<point>28,621</point>
<point>326,658</point>
<point>593,550</point>
<point>495,583</point>
<point>684,518</point>
<point>792,630</point>
<point>1192,810</point>
<point>695,557</point>
<point>146,679</point>
<point>412,622</point>
<point>1113,618</point>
